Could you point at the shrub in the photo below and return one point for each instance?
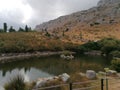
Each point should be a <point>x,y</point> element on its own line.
<point>16,83</point>
<point>115,54</point>
<point>115,64</point>
<point>96,23</point>
<point>66,53</point>
<point>108,45</point>
<point>88,47</point>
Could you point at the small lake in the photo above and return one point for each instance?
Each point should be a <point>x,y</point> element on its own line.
<point>35,68</point>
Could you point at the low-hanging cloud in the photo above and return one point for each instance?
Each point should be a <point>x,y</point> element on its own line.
<point>33,12</point>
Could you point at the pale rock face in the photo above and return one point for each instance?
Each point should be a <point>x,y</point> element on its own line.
<point>106,12</point>
<point>107,2</point>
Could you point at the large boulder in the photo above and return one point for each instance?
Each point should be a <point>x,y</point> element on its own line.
<point>90,74</point>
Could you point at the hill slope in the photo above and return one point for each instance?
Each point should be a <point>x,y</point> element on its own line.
<point>92,24</point>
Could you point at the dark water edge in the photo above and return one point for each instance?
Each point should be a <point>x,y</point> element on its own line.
<point>35,67</point>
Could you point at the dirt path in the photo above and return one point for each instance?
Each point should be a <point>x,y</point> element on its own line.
<point>114,84</point>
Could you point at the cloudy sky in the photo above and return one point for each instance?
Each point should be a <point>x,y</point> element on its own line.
<point>32,12</point>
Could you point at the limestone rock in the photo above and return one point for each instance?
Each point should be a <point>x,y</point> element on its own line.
<point>90,74</point>
<point>64,77</point>
<point>107,2</point>
<point>111,72</point>
<point>106,12</point>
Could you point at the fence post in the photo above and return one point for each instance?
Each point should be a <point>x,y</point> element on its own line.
<point>70,85</point>
<point>106,83</point>
<point>102,84</point>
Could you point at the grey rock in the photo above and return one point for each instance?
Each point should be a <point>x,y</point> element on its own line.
<point>111,72</point>
<point>68,57</point>
<point>90,74</point>
<point>106,12</point>
<point>64,77</point>
<point>107,2</point>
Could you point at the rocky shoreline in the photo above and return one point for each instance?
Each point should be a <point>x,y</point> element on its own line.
<point>9,57</point>
<point>66,78</point>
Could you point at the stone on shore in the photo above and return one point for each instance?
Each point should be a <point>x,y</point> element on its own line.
<point>90,74</point>
<point>42,81</point>
<point>68,57</point>
<point>64,77</point>
<point>111,72</point>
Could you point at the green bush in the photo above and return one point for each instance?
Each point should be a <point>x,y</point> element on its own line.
<point>108,45</point>
<point>115,54</point>
<point>66,53</point>
<point>88,47</point>
<point>16,83</point>
<point>115,64</point>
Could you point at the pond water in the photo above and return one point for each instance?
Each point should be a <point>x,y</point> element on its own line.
<point>35,68</point>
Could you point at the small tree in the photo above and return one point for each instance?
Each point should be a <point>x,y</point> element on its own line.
<point>29,29</point>
<point>5,27</point>
<point>21,30</point>
<point>63,34</point>
<point>11,29</point>
<point>26,28</point>
<point>115,64</point>
<point>1,30</point>
<point>81,36</point>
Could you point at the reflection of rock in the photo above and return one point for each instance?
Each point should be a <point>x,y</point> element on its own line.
<point>93,53</point>
<point>90,74</point>
<point>67,56</point>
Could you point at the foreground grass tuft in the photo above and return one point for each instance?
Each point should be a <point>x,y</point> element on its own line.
<point>15,83</point>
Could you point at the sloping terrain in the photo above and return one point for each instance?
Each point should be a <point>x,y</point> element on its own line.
<point>92,24</point>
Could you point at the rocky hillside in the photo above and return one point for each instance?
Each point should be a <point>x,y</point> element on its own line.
<point>107,2</point>
<point>93,23</point>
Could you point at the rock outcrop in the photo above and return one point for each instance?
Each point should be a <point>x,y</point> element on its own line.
<point>108,2</point>
<point>106,12</point>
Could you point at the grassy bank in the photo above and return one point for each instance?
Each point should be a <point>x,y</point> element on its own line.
<point>19,42</point>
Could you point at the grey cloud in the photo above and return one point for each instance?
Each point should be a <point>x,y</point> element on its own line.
<point>44,10</point>
<point>12,18</point>
<point>49,9</point>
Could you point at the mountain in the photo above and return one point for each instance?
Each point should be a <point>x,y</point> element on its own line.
<point>107,2</point>
<point>103,19</point>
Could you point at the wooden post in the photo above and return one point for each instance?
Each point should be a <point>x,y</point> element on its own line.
<point>70,86</point>
<point>102,84</point>
<point>106,83</point>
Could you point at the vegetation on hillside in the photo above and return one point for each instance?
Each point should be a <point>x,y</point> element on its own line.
<point>115,64</point>
<point>18,42</point>
<point>108,46</point>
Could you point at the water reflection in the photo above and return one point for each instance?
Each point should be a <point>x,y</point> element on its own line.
<point>48,66</point>
<point>30,75</point>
